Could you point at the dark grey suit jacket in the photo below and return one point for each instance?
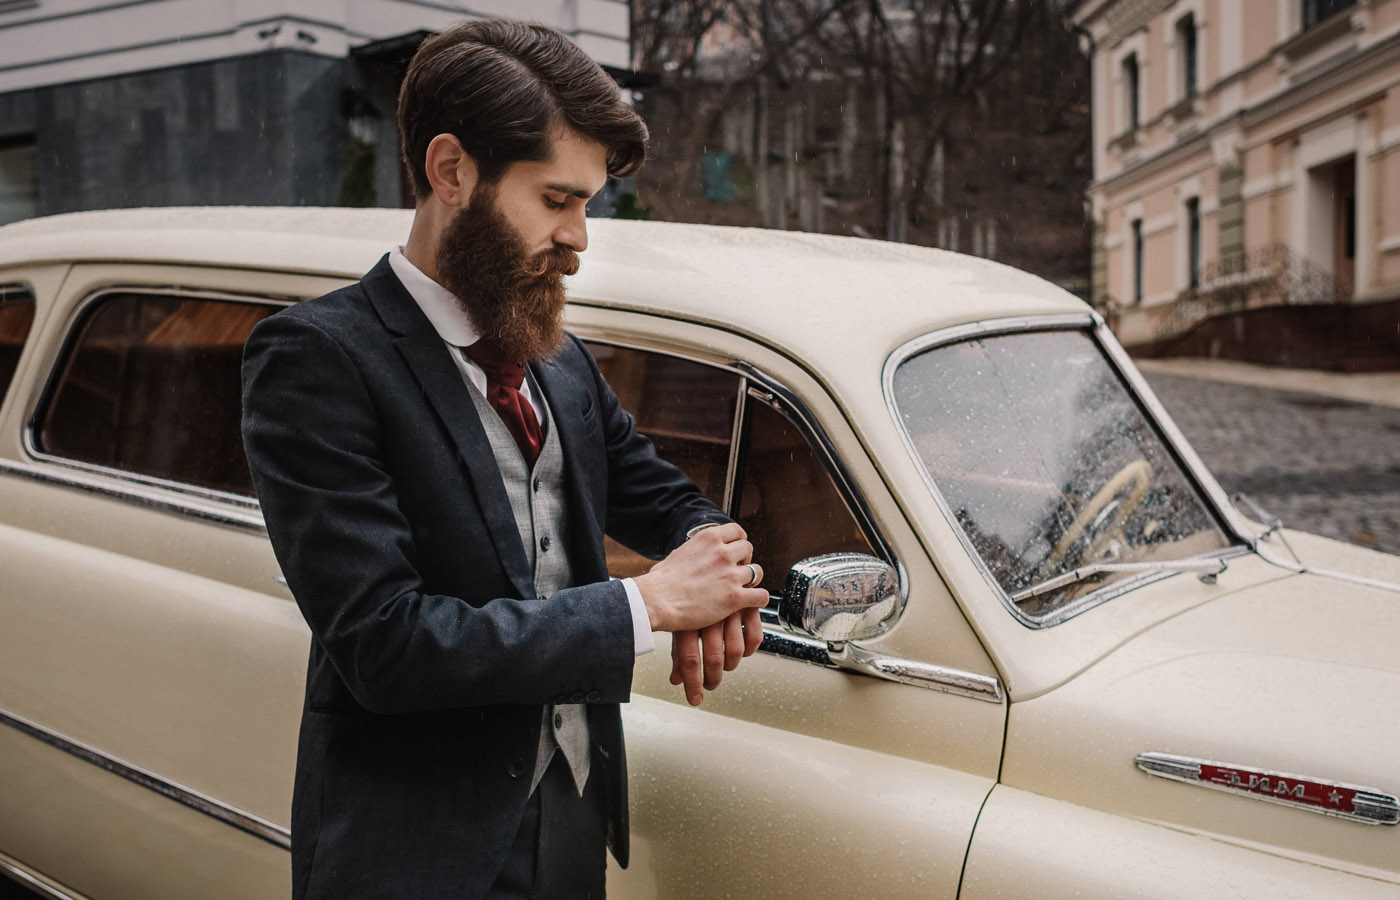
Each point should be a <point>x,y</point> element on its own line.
<point>430,655</point>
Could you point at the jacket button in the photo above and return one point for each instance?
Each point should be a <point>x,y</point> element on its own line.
<point>544,542</point>
<point>515,768</point>
<point>577,697</point>
<point>594,697</point>
<point>558,720</point>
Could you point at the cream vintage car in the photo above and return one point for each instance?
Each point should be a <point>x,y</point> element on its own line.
<point>1026,647</point>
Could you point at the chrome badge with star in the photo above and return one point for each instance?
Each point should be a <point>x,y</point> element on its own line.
<point>1347,801</point>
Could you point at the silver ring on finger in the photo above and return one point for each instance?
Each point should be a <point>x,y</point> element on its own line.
<point>753,575</point>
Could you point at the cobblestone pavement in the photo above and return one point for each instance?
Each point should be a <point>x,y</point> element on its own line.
<point>1321,464</point>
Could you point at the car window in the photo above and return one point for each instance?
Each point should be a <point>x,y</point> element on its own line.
<point>1047,462</point>
<point>16,318</point>
<point>686,408</point>
<point>786,500</point>
<point>150,384</point>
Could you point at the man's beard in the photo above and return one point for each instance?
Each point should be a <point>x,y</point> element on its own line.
<point>513,299</point>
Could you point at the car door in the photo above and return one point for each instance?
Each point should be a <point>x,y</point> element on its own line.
<point>794,778</point>
<point>151,665</point>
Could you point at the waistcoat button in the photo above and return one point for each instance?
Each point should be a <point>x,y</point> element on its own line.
<point>558,720</point>
<point>544,542</point>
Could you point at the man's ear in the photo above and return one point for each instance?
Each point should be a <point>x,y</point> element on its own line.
<point>451,171</point>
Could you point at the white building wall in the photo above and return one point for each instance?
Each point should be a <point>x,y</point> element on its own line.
<point>58,41</point>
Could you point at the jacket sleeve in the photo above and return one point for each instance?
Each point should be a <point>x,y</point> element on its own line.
<point>651,503</point>
<point>314,444</point>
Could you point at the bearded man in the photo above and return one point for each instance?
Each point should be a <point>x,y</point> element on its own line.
<point>437,461</point>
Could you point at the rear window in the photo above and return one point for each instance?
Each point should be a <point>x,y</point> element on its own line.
<point>149,384</point>
<point>16,318</point>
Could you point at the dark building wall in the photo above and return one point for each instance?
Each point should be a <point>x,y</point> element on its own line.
<point>261,130</point>
<point>1343,337</point>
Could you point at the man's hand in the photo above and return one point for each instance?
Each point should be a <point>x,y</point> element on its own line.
<point>705,590</point>
<point>725,643</point>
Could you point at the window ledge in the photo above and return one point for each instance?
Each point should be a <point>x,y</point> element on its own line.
<point>1125,140</point>
<point>1315,37</point>
<point>1187,107</point>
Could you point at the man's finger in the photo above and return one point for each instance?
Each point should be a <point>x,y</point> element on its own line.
<point>712,653</point>
<point>686,657</point>
<point>723,534</point>
<point>738,552</point>
<point>733,642</point>
<point>753,630</point>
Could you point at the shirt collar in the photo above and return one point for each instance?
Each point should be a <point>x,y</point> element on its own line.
<point>448,318</point>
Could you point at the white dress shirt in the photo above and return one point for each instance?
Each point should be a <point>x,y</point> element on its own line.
<point>455,328</point>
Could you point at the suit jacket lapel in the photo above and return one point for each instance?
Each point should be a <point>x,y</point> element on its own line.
<point>441,381</point>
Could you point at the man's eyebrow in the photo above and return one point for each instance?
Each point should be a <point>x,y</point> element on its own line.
<point>572,190</point>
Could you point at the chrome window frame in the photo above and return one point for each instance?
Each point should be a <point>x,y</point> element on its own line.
<point>207,504</point>
<point>1092,324</point>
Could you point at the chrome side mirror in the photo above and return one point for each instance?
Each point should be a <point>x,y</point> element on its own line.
<point>841,597</point>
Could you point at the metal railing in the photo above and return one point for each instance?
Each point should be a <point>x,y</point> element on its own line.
<point>1269,276</point>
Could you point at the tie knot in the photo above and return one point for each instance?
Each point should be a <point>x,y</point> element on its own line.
<point>499,368</point>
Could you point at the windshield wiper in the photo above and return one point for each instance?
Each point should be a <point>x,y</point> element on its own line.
<point>1210,569</point>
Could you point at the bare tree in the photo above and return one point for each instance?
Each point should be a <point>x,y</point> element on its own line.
<point>892,89</point>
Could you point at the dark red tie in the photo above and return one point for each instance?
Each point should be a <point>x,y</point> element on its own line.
<point>504,376</point>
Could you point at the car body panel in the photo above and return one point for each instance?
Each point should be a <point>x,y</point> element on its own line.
<point>1274,677</point>
<point>785,815</point>
<point>1028,845</point>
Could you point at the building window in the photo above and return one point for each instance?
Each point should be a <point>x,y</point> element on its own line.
<point>19,180</point>
<point>1137,260</point>
<point>1186,48</point>
<point>1315,11</point>
<point>1131,110</point>
<point>1193,242</point>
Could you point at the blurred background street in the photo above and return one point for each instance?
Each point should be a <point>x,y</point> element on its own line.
<point>1320,460</point>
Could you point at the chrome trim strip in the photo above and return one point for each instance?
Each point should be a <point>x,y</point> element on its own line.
<point>1089,322</point>
<point>905,671</point>
<point>246,822</point>
<point>851,658</point>
<point>1269,555</point>
<point>30,880</point>
<point>105,482</point>
<point>736,436</point>
<point>1369,805</point>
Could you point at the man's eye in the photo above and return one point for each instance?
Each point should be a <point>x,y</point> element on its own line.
<point>552,203</point>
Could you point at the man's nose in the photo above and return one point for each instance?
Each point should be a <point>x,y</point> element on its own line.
<point>573,233</point>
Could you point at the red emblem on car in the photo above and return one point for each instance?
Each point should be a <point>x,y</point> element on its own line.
<point>1333,798</point>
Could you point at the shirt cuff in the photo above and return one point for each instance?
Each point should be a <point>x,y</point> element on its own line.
<point>642,641</point>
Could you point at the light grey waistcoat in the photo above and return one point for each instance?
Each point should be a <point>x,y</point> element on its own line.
<point>537,499</point>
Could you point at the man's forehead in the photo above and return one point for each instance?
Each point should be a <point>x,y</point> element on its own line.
<point>576,166</point>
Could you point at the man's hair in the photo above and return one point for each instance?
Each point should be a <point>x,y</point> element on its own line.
<point>502,88</point>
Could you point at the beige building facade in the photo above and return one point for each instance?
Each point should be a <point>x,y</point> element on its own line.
<point>1246,157</point>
